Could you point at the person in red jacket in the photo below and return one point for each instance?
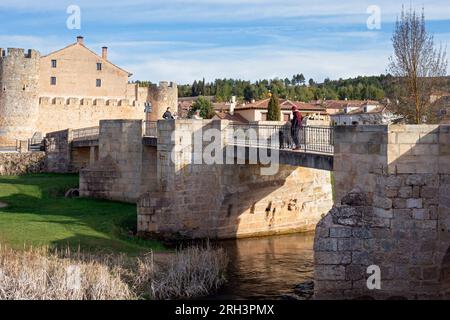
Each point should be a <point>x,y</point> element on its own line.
<point>296,124</point>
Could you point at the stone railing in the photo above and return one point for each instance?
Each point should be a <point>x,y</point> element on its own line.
<point>90,133</point>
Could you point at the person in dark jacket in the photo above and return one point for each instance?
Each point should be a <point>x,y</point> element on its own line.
<point>296,124</point>
<point>168,115</point>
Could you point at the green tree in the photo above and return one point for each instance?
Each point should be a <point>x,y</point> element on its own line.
<point>273,112</point>
<point>205,106</point>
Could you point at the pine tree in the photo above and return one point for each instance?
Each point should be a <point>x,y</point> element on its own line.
<point>273,112</point>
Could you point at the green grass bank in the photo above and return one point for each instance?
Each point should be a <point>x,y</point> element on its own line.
<point>37,214</point>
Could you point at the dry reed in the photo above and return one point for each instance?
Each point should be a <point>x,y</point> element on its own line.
<point>42,274</point>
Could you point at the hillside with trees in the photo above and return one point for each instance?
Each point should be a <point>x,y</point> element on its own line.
<point>298,89</point>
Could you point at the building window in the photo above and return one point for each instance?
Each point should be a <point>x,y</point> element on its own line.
<point>53,81</point>
<point>98,83</point>
<point>286,117</point>
<point>53,63</point>
<point>99,66</point>
<point>264,116</point>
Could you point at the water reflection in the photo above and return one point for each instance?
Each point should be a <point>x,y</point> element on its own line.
<point>267,268</point>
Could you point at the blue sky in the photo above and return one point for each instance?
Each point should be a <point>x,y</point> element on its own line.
<point>183,40</point>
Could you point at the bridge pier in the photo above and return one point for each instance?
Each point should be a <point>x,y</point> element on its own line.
<point>219,200</point>
<point>393,212</point>
<point>92,155</point>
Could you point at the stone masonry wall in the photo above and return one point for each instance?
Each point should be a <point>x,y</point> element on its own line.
<point>162,96</point>
<point>117,174</point>
<point>57,148</point>
<point>393,211</point>
<point>21,163</point>
<point>226,201</point>
<point>62,113</point>
<point>19,92</point>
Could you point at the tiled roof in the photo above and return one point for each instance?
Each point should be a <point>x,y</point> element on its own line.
<point>226,116</point>
<point>284,105</point>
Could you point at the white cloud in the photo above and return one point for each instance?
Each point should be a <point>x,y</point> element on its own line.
<point>259,63</point>
<point>232,10</point>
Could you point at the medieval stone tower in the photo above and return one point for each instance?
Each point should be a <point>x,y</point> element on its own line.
<point>19,94</point>
<point>162,97</point>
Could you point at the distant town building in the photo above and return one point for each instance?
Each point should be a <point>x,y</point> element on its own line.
<point>368,112</point>
<point>257,111</point>
<point>440,104</point>
<point>342,106</point>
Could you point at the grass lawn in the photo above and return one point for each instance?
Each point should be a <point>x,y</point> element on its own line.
<point>38,214</point>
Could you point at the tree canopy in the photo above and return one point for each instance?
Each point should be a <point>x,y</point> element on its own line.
<point>205,106</point>
<point>296,89</point>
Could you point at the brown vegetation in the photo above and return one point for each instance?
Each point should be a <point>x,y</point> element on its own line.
<point>41,274</point>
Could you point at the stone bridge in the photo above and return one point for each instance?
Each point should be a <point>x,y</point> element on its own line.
<point>391,196</point>
<point>179,196</point>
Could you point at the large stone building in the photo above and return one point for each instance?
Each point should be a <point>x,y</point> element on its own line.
<point>70,88</point>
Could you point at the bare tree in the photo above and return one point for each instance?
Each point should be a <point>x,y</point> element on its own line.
<point>417,64</point>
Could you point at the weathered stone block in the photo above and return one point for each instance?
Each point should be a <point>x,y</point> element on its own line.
<point>414,203</point>
<point>405,192</point>
<point>325,245</point>
<point>382,202</point>
<point>399,203</point>
<point>415,180</point>
<point>420,214</point>
<point>340,232</point>
<point>332,258</point>
<point>383,213</point>
<point>324,272</point>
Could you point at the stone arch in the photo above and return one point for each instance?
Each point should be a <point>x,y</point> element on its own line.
<point>444,277</point>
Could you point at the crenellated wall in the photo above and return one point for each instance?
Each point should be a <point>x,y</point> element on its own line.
<point>70,88</point>
<point>392,211</point>
<point>60,113</point>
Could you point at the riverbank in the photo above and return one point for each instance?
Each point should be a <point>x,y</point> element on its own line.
<point>73,248</point>
<point>37,214</point>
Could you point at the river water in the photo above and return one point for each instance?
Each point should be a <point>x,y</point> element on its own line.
<point>267,268</point>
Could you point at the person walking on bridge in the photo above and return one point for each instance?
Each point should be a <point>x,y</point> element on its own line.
<point>296,124</point>
<point>168,115</point>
